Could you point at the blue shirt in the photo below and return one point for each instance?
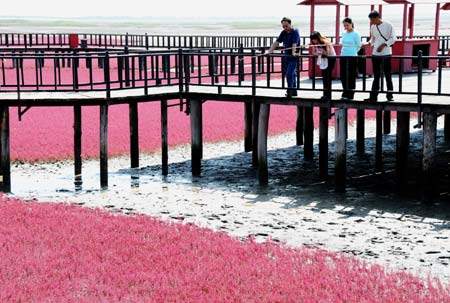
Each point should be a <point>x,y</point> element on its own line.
<point>351,43</point>
<point>288,39</point>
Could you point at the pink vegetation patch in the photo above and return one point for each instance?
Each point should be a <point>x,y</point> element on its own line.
<point>60,253</point>
<point>47,133</point>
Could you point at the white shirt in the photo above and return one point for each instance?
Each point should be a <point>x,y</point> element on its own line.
<point>387,30</point>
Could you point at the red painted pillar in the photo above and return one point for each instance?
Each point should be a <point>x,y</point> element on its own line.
<point>411,20</point>
<point>347,11</point>
<point>405,20</point>
<point>372,7</point>
<point>436,24</point>
<point>311,21</point>
<point>380,10</point>
<point>338,22</point>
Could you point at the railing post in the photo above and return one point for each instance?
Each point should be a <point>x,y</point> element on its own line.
<point>75,70</point>
<point>253,73</point>
<point>419,90</point>
<point>241,76</point>
<point>107,76</point>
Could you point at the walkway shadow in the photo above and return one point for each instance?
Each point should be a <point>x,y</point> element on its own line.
<point>297,182</point>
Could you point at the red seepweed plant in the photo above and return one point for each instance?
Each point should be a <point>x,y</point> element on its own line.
<point>65,253</point>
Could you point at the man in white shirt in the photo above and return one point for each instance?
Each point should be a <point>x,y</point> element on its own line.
<point>382,39</point>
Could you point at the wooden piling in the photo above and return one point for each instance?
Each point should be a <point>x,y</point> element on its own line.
<point>299,126</point>
<point>429,153</point>
<point>360,131</point>
<point>196,136</point>
<point>447,127</point>
<point>248,118</point>
<point>77,133</point>
<point>255,128</point>
<point>340,164</point>
<point>323,143</point>
<point>379,142</point>
<point>402,145</point>
<point>164,139</point>
<point>104,145</point>
<point>134,134</point>
<point>308,128</point>
<point>5,163</point>
<point>263,172</point>
<point>387,122</point>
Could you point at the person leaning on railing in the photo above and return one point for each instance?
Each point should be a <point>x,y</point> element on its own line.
<point>326,59</point>
<point>382,40</point>
<point>290,38</point>
<point>351,43</point>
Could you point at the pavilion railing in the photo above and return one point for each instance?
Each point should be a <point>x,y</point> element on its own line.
<point>146,41</point>
<point>253,70</point>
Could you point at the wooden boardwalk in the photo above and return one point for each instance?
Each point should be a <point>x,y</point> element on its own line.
<point>432,100</point>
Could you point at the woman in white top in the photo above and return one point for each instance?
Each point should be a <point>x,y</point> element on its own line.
<point>326,59</point>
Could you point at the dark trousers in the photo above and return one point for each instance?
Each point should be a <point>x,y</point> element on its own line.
<point>348,73</point>
<point>381,63</point>
<point>290,70</point>
<point>327,77</point>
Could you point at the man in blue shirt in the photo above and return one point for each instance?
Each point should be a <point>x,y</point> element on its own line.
<point>290,38</point>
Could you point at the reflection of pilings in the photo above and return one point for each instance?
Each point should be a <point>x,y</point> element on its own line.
<point>104,145</point>
<point>77,133</point>
<point>308,128</point>
<point>429,155</point>
<point>164,139</point>
<point>323,143</point>
<point>360,136</point>
<point>403,120</point>
<point>340,164</point>
<point>5,163</point>
<point>196,136</point>
<point>134,134</point>
<point>263,173</point>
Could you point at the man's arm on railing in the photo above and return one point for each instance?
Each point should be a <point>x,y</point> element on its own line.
<point>275,44</point>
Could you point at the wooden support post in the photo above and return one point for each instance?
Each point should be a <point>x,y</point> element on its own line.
<point>429,153</point>
<point>77,144</point>
<point>104,145</point>
<point>309,133</point>
<point>263,172</point>
<point>134,134</point>
<point>299,126</point>
<point>256,107</point>
<point>248,118</point>
<point>340,164</point>
<point>164,139</point>
<point>379,142</point>
<point>196,136</point>
<point>201,130</point>
<point>323,143</point>
<point>360,131</point>
<point>447,127</point>
<point>5,163</point>
<point>387,122</point>
<point>402,147</point>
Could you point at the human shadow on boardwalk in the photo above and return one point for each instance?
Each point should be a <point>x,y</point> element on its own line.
<point>293,177</point>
